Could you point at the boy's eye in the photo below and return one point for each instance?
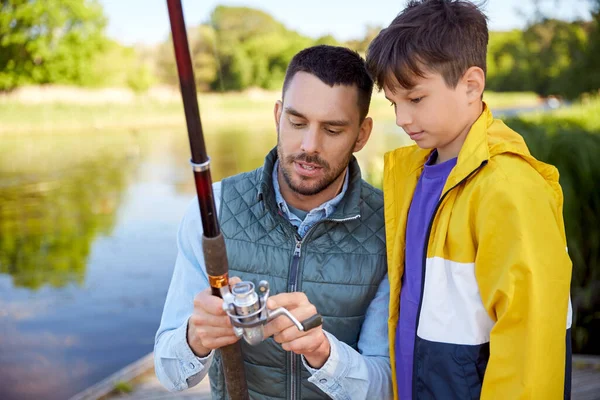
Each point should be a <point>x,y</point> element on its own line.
<point>297,126</point>
<point>416,100</point>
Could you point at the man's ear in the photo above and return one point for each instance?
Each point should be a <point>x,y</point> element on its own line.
<point>474,81</point>
<point>277,110</point>
<point>364,133</point>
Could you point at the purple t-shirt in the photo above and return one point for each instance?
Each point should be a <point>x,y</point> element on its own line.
<point>427,194</point>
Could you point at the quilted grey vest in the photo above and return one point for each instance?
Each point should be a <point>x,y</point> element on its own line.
<point>338,264</point>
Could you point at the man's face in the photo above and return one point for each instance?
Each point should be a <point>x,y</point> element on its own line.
<point>318,129</point>
<point>431,113</point>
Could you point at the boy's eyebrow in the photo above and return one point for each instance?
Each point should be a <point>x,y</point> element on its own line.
<point>333,122</point>
<point>407,92</point>
<point>414,89</point>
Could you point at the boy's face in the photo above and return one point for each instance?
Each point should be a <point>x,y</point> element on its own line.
<point>318,130</point>
<point>432,114</point>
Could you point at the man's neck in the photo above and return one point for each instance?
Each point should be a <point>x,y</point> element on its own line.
<point>307,203</point>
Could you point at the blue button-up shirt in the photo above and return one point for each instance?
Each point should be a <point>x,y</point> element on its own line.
<point>347,374</point>
<point>315,215</point>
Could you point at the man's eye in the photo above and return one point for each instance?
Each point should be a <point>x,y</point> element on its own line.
<point>416,100</point>
<point>297,126</point>
<point>332,131</point>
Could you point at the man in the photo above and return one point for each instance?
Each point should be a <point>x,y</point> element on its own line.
<point>307,223</point>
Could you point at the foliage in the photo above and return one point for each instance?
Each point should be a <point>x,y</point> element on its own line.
<point>538,59</point>
<point>571,142</point>
<point>240,47</point>
<point>49,41</point>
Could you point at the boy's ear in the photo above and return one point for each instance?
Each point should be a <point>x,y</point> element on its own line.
<point>474,81</point>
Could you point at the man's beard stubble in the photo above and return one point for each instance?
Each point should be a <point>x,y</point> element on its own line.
<point>331,174</point>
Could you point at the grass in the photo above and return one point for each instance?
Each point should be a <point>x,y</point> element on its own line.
<point>123,387</point>
<point>217,109</point>
<point>584,114</point>
<point>498,100</point>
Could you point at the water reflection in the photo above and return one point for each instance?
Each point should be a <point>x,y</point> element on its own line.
<point>87,244</point>
<point>49,219</point>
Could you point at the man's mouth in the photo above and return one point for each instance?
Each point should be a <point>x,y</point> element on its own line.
<point>309,167</point>
<point>307,170</point>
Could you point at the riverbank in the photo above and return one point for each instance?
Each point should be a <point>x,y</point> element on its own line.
<point>47,110</point>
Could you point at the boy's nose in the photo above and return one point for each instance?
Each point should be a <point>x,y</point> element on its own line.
<point>403,116</point>
<point>403,119</point>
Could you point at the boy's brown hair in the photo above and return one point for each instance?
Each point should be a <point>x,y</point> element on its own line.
<point>443,36</point>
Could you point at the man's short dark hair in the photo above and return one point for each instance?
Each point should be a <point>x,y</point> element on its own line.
<point>334,65</point>
<point>443,36</point>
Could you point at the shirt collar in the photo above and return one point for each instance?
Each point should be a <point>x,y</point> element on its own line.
<point>328,207</point>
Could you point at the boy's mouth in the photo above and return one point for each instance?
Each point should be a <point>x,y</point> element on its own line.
<point>415,135</point>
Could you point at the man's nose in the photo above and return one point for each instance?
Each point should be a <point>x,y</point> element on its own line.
<point>310,140</point>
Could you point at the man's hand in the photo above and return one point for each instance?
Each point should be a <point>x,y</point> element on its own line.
<point>209,326</point>
<point>313,345</point>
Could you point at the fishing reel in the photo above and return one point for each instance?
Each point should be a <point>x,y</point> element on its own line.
<point>248,311</point>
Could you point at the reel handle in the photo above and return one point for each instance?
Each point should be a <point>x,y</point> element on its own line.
<point>312,322</point>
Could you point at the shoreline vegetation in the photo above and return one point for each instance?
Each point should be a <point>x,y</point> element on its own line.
<point>567,137</point>
<point>64,109</point>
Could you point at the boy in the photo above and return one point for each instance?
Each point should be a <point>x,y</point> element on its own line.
<point>474,224</point>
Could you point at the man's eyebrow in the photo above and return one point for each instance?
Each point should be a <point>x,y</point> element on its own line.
<point>333,122</point>
<point>336,122</point>
<point>291,111</point>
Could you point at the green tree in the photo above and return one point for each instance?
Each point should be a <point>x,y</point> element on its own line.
<point>240,66</point>
<point>539,59</point>
<point>49,41</point>
<point>361,45</point>
<point>202,43</point>
<point>587,72</point>
<point>328,40</point>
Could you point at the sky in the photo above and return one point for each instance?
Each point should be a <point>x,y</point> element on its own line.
<point>146,21</point>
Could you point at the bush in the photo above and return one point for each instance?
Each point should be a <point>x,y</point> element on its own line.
<point>570,140</point>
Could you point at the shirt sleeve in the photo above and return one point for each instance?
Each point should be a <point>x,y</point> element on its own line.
<point>176,365</point>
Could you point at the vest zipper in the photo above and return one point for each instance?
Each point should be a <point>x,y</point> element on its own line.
<point>425,248</point>
<point>293,283</point>
<point>294,359</point>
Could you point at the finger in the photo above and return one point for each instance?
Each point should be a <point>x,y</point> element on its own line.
<point>283,323</point>
<point>209,303</point>
<point>287,300</point>
<point>233,280</point>
<point>216,343</point>
<point>289,334</point>
<point>306,344</point>
<point>212,332</point>
<point>201,318</point>
<point>277,325</point>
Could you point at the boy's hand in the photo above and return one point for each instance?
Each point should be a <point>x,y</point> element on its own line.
<point>313,344</point>
<point>209,326</point>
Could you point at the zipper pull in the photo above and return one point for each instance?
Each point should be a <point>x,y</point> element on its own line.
<point>297,249</point>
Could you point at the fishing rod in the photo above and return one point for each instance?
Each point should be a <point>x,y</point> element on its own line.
<point>213,244</point>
